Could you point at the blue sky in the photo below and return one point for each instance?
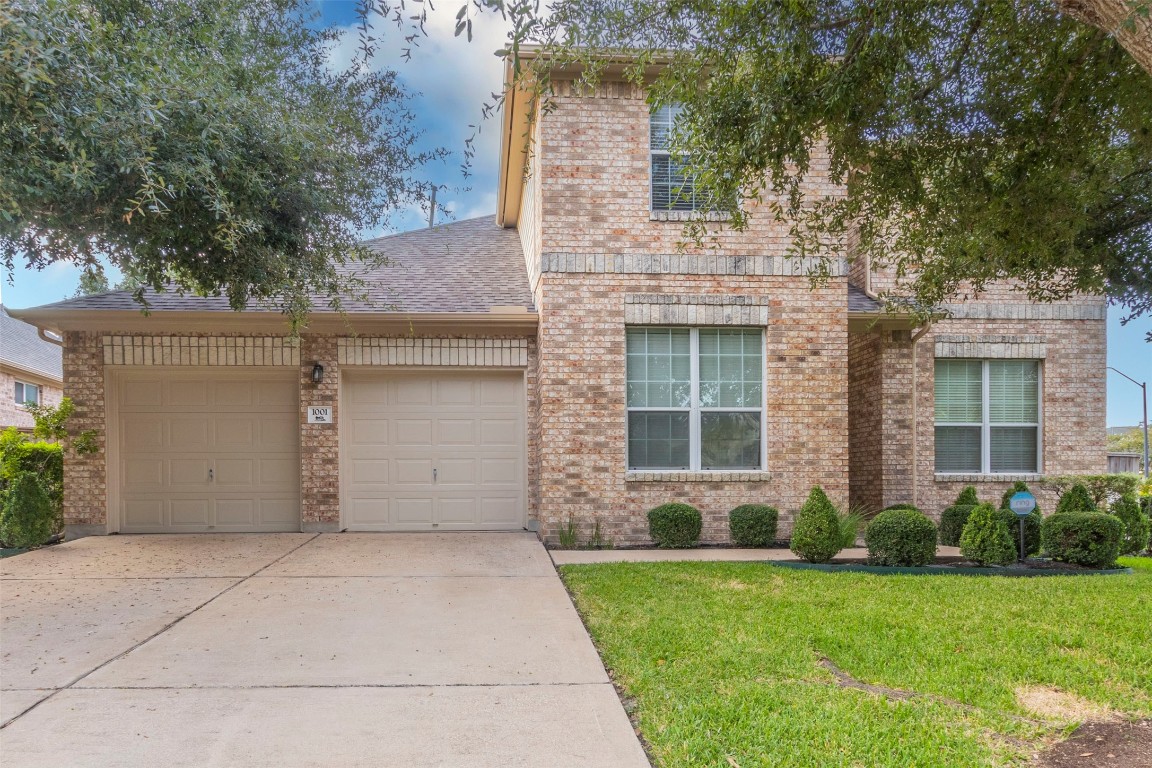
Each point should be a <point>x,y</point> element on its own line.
<point>454,79</point>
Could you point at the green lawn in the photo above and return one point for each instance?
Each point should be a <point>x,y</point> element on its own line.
<point>722,660</point>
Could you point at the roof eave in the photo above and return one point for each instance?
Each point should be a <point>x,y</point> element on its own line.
<point>509,320</point>
<point>36,373</point>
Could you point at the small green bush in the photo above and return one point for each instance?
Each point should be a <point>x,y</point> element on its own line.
<point>900,506</point>
<point>851,521</point>
<point>1032,523</point>
<point>675,525</point>
<point>1076,499</point>
<point>816,536</point>
<point>753,525</point>
<point>1127,510</point>
<point>986,539</point>
<point>1091,539</point>
<point>903,536</point>
<point>952,523</point>
<point>27,519</point>
<point>967,497</point>
<point>1100,488</point>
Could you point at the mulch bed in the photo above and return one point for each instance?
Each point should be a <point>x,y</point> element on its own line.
<point>955,565</point>
<point>1102,745</point>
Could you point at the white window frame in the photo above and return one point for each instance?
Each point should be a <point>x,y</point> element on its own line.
<point>20,393</point>
<point>695,409</point>
<point>986,424</point>
<point>695,202</point>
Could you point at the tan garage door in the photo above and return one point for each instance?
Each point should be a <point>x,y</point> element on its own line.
<point>208,451</point>
<point>433,451</point>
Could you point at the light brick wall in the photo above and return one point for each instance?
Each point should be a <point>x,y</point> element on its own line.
<point>319,443</point>
<point>85,479</point>
<point>13,415</point>
<point>865,421</point>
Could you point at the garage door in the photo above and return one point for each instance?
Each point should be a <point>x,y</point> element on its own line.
<point>437,451</point>
<point>208,451</point>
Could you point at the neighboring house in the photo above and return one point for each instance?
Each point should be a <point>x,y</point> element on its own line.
<point>30,371</point>
<point>566,361</point>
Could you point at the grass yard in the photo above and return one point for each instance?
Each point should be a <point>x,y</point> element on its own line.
<point>722,663</point>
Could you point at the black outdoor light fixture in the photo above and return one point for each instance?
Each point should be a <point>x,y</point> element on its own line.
<point>317,373</point>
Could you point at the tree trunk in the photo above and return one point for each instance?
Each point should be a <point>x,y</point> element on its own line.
<point>1130,23</point>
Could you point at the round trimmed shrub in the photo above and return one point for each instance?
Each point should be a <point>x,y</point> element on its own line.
<point>1031,529</point>
<point>952,523</point>
<point>753,525</point>
<point>986,539</point>
<point>28,518</point>
<point>1076,499</point>
<point>675,525</point>
<point>816,535</point>
<point>902,536</point>
<point>1127,510</point>
<point>900,506</point>
<point>1091,539</point>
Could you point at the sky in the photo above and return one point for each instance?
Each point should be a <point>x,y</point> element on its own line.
<point>453,80</point>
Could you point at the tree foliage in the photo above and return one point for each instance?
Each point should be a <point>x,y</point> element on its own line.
<point>979,140</point>
<point>208,146</point>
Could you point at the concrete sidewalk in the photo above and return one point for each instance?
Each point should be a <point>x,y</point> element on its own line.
<point>294,650</point>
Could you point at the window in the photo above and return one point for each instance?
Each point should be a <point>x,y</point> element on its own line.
<point>695,398</point>
<point>987,416</point>
<point>672,188</point>
<point>27,393</point>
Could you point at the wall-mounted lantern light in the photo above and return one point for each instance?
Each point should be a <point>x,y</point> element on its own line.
<point>317,373</point>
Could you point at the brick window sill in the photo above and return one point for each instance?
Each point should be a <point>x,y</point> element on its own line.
<point>689,216</point>
<point>633,476</point>
<point>990,478</point>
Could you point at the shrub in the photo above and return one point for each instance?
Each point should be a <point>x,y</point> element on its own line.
<point>952,523</point>
<point>753,525</point>
<point>675,525</point>
<point>1102,489</point>
<point>967,497</point>
<point>1076,499</point>
<point>1032,523</point>
<point>986,539</point>
<point>27,519</point>
<point>1127,510</point>
<point>1091,539</point>
<point>903,536</point>
<point>19,455</point>
<point>817,533</point>
<point>851,521</point>
<point>901,506</point>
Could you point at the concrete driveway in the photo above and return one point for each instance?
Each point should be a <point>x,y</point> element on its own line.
<point>300,650</point>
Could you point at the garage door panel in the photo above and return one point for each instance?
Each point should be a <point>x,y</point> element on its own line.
<point>398,428</point>
<point>176,426</point>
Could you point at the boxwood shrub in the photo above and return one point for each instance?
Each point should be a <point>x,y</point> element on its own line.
<point>675,525</point>
<point>1031,529</point>
<point>1076,499</point>
<point>901,536</point>
<point>27,519</point>
<point>1091,539</point>
<point>1127,510</point>
<point>986,539</point>
<point>816,535</point>
<point>952,523</point>
<point>753,525</point>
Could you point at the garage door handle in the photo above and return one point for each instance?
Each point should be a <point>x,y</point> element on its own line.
<point>434,471</point>
<point>210,474</point>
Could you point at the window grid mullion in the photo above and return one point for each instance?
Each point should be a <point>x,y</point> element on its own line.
<point>694,419</point>
<point>986,429</point>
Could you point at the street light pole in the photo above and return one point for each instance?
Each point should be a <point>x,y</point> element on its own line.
<point>1144,390</point>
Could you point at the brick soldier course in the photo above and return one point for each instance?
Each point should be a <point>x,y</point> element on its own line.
<point>548,289</point>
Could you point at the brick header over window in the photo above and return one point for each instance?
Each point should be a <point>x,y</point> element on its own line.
<point>987,311</point>
<point>695,309</point>
<point>200,350</point>
<point>992,347</point>
<point>685,264</point>
<point>491,352</point>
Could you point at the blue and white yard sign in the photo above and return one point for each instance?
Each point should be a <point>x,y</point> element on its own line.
<point>1022,503</point>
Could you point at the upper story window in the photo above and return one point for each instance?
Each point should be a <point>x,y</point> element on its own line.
<point>27,393</point>
<point>672,188</point>
<point>987,416</point>
<point>695,398</point>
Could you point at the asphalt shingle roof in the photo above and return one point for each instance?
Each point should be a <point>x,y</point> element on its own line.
<point>464,266</point>
<point>858,301</point>
<point>21,346</point>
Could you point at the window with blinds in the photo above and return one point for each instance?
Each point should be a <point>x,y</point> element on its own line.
<point>987,416</point>
<point>695,398</point>
<point>673,188</point>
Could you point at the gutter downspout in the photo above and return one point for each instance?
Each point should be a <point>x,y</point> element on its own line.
<point>915,414</point>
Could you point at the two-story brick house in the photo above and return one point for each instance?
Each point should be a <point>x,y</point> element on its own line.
<point>568,361</point>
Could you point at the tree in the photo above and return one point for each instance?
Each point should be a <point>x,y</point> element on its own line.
<point>207,146</point>
<point>92,281</point>
<point>979,140</point>
<point>1131,441</point>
